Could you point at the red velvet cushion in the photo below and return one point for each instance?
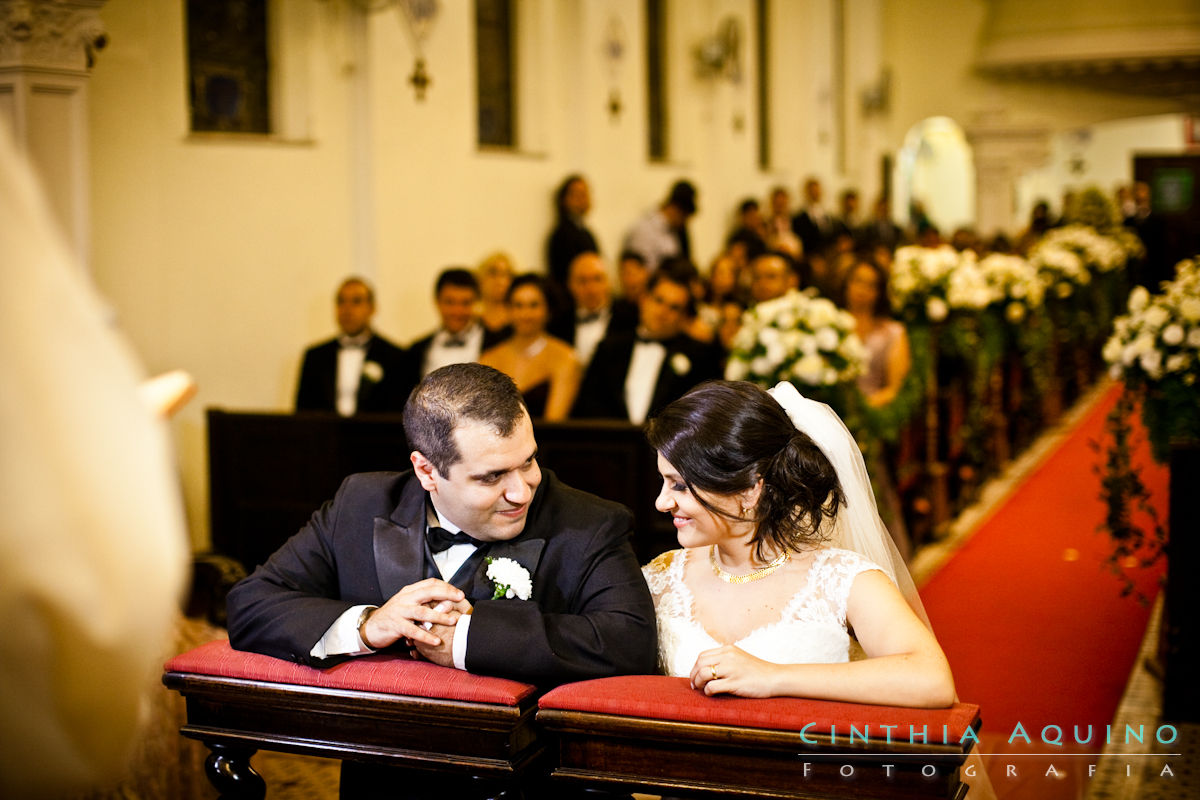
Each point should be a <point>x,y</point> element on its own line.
<point>659,697</point>
<point>388,674</point>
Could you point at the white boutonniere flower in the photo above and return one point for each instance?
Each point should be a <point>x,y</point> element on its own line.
<point>509,578</point>
<point>372,371</point>
<point>681,364</point>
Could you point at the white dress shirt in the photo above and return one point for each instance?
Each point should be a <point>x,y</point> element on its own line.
<point>443,351</point>
<point>642,378</point>
<point>352,353</point>
<point>589,334</point>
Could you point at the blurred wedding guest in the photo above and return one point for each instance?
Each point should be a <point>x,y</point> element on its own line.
<point>722,285</point>
<point>662,233</point>
<point>570,236</point>
<point>1150,226</point>
<point>889,359</point>
<point>632,374</point>
<point>773,275</point>
<point>460,336</point>
<point>751,230</point>
<point>632,275</point>
<point>729,324</point>
<point>848,220</point>
<point>358,371</point>
<point>780,235</point>
<point>1039,222</point>
<point>93,548</point>
<point>865,296</point>
<point>814,225</point>
<point>880,230</point>
<point>495,273</point>
<point>592,313</point>
<point>544,367</point>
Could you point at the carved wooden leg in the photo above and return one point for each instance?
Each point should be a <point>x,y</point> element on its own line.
<point>228,769</point>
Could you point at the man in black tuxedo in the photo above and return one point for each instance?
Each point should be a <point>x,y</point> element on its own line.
<point>357,371</point>
<point>635,373</point>
<point>460,336</point>
<point>814,226</point>
<point>363,575</point>
<point>592,313</point>
<point>397,560</point>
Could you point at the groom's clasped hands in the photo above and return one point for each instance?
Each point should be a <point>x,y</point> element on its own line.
<point>423,614</point>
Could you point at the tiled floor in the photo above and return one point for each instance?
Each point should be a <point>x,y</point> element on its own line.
<point>1151,771</point>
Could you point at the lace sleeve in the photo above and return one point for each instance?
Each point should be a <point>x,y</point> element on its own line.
<point>839,570</point>
<point>657,573</point>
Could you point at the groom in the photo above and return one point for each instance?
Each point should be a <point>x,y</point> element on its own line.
<point>398,559</point>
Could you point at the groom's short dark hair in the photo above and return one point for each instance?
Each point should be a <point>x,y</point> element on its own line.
<point>450,395</point>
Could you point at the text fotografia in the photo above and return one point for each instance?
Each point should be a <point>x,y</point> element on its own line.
<point>1051,735</point>
<point>970,770</point>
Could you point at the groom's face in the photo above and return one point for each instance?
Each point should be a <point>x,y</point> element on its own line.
<point>488,492</point>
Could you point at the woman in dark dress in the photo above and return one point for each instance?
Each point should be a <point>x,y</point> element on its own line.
<point>544,367</point>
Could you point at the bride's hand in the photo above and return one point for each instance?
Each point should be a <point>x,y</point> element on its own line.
<point>731,670</point>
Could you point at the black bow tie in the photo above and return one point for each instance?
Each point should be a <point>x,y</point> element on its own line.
<point>441,539</point>
<point>454,341</point>
<point>583,319</point>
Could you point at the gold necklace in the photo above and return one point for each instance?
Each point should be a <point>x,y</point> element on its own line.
<point>757,575</point>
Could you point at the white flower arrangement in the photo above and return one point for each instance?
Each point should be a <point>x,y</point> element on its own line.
<point>967,288</point>
<point>1160,336</point>
<point>930,283</point>
<point>372,371</point>
<point>798,338</point>
<point>1061,269</point>
<point>1098,252</point>
<point>920,281</point>
<point>1015,283</point>
<point>509,579</point>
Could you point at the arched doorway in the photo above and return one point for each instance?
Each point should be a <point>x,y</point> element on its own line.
<point>936,170</point>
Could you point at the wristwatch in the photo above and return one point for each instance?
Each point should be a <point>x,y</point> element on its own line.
<point>362,620</point>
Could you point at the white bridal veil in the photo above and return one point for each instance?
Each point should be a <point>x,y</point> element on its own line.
<point>858,526</point>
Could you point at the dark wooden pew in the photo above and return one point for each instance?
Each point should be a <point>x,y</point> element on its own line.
<point>382,709</point>
<point>504,739</point>
<point>654,733</point>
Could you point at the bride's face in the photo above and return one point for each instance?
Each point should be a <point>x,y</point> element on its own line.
<point>695,525</point>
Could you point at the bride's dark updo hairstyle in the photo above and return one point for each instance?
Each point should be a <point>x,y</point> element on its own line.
<point>723,435</point>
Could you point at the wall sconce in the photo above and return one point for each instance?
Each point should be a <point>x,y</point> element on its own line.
<point>614,55</point>
<point>720,55</point>
<point>418,16</point>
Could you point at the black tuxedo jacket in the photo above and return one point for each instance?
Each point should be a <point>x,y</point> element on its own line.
<point>813,238</point>
<point>590,614</point>
<point>317,388</point>
<point>569,238</point>
<point>602,393</point>
<point>623,319</point>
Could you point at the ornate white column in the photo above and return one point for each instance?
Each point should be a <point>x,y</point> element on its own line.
<point>1003,152</point>
<point>46,50</point>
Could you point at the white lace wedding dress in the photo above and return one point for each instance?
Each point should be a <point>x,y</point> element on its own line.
<point>811,629</point>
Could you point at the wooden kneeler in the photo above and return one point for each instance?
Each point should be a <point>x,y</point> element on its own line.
<point>382,709</point>
<point>656,734</point>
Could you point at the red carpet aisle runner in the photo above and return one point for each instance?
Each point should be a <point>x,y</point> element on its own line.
<point>1034,626</point>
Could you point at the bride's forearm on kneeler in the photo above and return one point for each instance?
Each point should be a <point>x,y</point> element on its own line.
<point>910,679</point>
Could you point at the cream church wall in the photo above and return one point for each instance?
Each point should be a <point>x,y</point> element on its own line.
<point>1099,155</point>
<point>220,255</point>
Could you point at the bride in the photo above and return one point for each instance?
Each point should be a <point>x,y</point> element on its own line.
<point>783,554</point>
